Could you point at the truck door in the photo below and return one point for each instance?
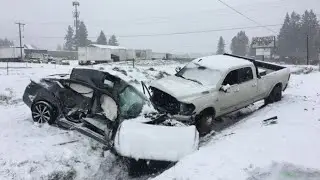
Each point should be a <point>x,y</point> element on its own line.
<point>229,99</point>
<point>248,89</point>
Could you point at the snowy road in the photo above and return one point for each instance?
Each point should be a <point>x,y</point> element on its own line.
<point>246,149</point>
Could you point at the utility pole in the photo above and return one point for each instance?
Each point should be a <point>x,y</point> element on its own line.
<point>307,49</point>
<point>20,37</point>
<point>76,15</point>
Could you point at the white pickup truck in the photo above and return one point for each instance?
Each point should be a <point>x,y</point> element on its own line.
<point>213,86</point>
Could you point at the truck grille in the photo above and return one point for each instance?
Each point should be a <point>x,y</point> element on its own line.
<point>164,102</point>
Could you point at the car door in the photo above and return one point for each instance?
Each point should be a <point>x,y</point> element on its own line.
<point>228,100</point>
<point>247,89</point>
<point>75,97</point>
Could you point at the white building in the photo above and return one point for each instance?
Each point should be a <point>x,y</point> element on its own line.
<point>118,53</point>
<point>143,54</point>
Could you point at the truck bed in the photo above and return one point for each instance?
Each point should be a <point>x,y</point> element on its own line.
<point>265,68</point>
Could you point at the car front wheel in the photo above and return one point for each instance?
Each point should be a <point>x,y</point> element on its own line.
<point>43,112</point>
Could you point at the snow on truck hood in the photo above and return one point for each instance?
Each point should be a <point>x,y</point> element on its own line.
<point>180,88</point>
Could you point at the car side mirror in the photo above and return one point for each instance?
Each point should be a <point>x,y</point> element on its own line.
<point>225,88</point>
<point>178,69</point>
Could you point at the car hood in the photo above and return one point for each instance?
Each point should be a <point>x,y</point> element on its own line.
<point>181,89</point>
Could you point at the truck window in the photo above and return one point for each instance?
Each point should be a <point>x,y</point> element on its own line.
<point>245,74</point>
<point>231,78</point>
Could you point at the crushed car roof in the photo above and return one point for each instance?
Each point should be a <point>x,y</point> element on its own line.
<point>92,76</point>
<point>221,62</point>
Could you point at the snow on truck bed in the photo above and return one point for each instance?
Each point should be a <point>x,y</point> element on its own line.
<point>248,149</point>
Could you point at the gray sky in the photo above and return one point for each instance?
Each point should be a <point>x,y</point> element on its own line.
<point>47,20</point>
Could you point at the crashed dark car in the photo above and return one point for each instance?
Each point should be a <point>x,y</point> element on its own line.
<point>109,110</point>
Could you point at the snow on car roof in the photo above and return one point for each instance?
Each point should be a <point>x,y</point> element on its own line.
<point>221,62</point>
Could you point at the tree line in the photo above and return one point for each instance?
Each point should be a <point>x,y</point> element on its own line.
<point>296,34</point>
<point>79,38</point>
<point>6,43</point>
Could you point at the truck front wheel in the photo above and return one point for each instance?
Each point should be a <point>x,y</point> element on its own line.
<point>205,122</point>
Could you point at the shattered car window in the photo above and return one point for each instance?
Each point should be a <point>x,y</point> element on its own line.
<point>131,102</point>
<point>201,74</point>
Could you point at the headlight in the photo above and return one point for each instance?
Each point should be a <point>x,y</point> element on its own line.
<point>186,109</point>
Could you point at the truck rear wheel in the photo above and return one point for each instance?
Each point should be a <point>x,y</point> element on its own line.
<point>275,95</point>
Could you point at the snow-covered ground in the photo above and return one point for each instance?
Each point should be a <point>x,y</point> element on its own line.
<point>246,150</point>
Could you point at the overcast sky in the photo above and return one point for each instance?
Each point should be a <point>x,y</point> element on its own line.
<point>47,20</point>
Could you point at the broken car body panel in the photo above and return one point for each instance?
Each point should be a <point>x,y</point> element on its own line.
<point>144,141</point>
<point>96,104</point>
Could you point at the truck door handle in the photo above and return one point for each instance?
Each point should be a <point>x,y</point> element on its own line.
<point>236,90</point>
<point>254,85</point>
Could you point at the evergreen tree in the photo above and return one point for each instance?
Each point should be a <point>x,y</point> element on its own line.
<point>293,35</point>
<point>113,41</point>
<point>81,37</point>
<point>252,51</point>
<point>309,28</point>
<point>69,41</point>
<point>239,44</point>
<point>295,42</point>
<point>221,46</point>
<point>102,39</point>
<point>283,37</point>
<point>6,43</point>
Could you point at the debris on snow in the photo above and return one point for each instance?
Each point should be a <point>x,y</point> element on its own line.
<point>6,96</point>
<point>270,121</point>
<point>162,74</point>
<point>62,175</point>
<point>69,142</point>
<point>120,70</point>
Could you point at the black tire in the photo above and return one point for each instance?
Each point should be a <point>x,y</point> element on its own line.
<point>275,95</point>
<point>43,112</point>
<point>205,122</point>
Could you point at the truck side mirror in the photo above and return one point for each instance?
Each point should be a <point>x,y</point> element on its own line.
<point>178,69</point>
<point>225,88</point>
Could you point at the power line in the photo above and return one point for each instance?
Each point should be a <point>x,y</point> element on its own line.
<point>246,16</point>
<point>185,32</point>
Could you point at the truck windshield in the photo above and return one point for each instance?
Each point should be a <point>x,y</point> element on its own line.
<point>131,102</point>
<point>201,74</point>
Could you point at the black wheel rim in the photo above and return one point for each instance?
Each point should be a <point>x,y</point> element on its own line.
<point>41,113</point>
